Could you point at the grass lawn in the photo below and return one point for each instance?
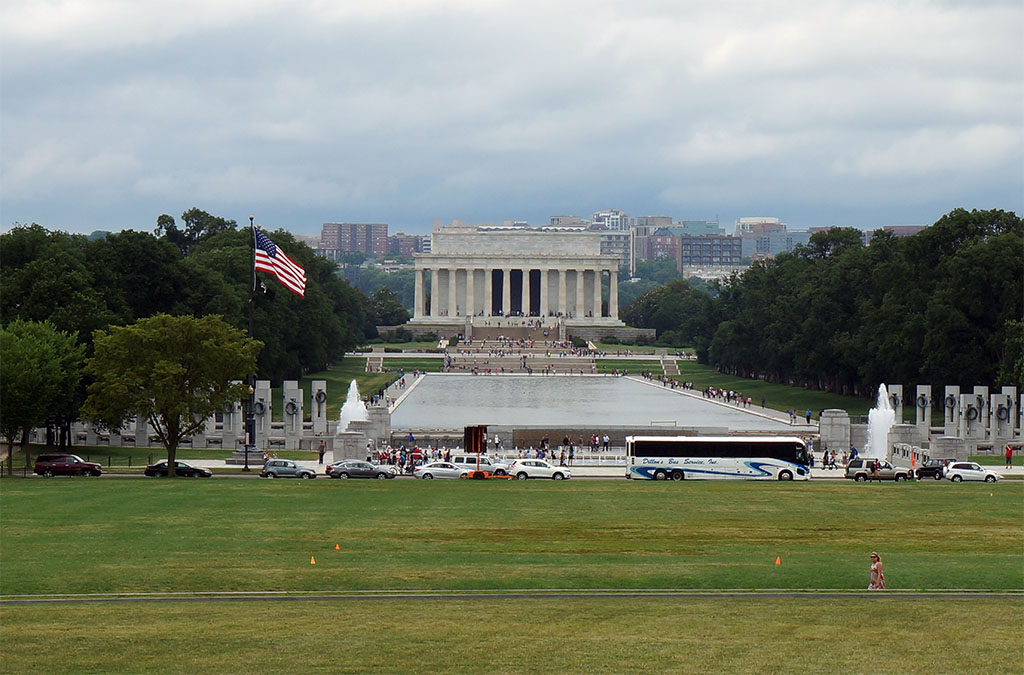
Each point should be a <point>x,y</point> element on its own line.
<point>411,364</point>
<point>634,367</point>
<point>128,535</point>
<point>777,396</point>
<point>134,535</point>
<point>618,635</point>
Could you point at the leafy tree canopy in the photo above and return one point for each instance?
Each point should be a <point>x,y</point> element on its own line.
<point>176,371</point>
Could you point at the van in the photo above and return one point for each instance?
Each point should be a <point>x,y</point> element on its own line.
<point>486,464</point>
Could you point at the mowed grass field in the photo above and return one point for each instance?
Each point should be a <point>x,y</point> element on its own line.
<point>108,535</point>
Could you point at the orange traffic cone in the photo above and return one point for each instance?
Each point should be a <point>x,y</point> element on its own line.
<point>337,547</point>
<point>312,560</point>
<point>778,560</point>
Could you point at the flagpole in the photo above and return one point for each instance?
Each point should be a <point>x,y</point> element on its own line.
<point>250,418</point>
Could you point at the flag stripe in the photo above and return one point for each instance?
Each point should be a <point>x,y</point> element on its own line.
<point>270,258</point>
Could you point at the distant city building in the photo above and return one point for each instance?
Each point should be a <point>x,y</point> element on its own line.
<point>759,225</point>
<point>406,244</point>
<point>568,221</point>
<point>351,273</point>
<point>707,256</point>
<point>699,227</point>
<point>618,244</point>
<point>651,223</point>
<point>368,238</point>
<point>664,226</point>
<point>610,219</point>
<point>770,244</point>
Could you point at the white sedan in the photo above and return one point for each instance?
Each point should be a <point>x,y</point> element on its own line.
<point>439,470</point>
<point>958,471</point>
<point>537,468</point>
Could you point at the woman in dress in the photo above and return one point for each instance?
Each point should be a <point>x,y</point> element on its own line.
<point>877,581</point>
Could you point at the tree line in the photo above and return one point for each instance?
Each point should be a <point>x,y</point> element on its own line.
<point>200,267</point>
<point>59,292</point>
<point>945,306</point>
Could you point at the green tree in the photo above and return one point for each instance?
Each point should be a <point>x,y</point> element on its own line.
<point>176,371</point>
<point>199,226</point>
<point>46,277</point>
<point>43,380</point>
<point>386,308</point>
<point>402,282</point>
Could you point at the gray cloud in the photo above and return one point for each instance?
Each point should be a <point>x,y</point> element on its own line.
<point>860,113</point>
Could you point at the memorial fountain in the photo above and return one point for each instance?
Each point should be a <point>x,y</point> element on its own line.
<point>881,419</point>
<point>353,409</point>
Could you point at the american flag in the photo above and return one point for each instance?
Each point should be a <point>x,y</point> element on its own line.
<point>270,258</point>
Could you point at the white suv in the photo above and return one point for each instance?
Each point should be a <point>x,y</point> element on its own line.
<point>486,464</point>
<point>538,468</point>
<point>958,471</point>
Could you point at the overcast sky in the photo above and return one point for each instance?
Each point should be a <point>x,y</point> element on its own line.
<point>817,112</point>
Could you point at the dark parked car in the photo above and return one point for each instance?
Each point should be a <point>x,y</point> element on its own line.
<point>180,469</point>
<point>933,468</point>
<point>63,464</point>
<point>357,468</point>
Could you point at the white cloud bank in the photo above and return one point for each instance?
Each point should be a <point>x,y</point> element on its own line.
<point>862,113</point>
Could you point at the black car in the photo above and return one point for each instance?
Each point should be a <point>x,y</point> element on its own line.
<point>932,468</point>
<point>180,469</point>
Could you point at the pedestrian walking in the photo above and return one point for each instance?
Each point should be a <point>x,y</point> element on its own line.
<point>321,449</point>
<point>876,580</point>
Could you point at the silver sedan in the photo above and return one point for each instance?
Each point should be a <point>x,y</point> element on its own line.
<point>438,470</point>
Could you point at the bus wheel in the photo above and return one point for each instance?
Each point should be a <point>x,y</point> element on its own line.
<point>785,475</point>
<point>660,475</point>
<point>677,475</point>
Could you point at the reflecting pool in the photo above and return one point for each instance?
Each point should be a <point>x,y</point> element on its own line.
<point>455,401</point>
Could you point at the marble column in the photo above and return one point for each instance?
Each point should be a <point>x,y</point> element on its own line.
<point>453,292</point>
<point>613,293</point>
<point>543,293</point>
<point>435,292</point>
<point>579,310</point>
<point>562,292</point>
<point>470,292</point>
<point>418,302</point>
<point>506,291</point>
<point>488,291</point>
<point>526,293</point>
<point>597,293</point>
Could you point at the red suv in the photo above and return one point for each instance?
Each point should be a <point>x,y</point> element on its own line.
<point>61,464</point>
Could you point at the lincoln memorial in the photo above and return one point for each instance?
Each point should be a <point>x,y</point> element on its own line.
<point>478,276</point>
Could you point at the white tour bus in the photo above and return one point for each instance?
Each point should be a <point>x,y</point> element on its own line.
<point>747,457</point>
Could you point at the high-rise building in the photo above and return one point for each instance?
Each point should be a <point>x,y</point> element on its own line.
<point>610,219</point>
<point>368,238</point>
